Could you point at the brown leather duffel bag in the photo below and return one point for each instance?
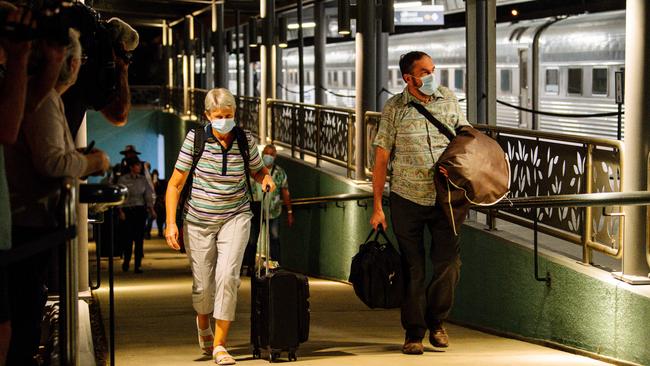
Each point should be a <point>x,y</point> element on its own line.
<point>478,171</point>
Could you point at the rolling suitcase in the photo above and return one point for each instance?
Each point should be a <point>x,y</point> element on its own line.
<point>279,303</point>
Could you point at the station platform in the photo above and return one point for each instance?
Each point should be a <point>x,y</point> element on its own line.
<point>155,326</point>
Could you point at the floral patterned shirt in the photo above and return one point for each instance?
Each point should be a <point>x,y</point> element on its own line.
<point>414,143</point>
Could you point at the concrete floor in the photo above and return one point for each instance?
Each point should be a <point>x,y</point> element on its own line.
<point>155,326</point>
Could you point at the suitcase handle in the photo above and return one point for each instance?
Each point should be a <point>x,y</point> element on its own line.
<point>263,241</point>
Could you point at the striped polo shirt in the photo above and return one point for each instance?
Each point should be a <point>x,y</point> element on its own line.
<point>219,189</point>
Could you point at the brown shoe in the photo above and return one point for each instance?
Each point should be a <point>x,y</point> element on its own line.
<point>413,347</point>
<point>438,336</point>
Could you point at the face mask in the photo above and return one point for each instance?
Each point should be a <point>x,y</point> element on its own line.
<point>223,125</point>
<point>429,84</point>
<point>268,159</point>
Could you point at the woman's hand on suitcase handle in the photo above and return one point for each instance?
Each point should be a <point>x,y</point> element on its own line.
<point>268,184</point>
<point>171,236</point>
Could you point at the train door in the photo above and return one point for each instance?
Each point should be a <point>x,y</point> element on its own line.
<point>524,91</point>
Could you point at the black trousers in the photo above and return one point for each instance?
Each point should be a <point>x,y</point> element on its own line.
<point>425,305</point>
<point>132,233</point>
<point>251,247</point>
<point>27,296</point>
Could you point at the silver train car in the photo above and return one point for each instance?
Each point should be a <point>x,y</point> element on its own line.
<point>575,68</point>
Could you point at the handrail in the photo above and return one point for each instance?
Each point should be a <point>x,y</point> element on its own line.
<point>552,135</point>
<point>636,198</point>
<point>318,106</point>
<point>334,198</point>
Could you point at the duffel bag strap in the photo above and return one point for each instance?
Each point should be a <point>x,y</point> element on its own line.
<point>434,121</point>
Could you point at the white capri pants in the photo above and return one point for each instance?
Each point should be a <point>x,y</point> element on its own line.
<point>216,252</point>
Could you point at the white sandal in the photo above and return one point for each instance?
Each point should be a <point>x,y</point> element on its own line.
<point>223,359</point>
<point>205,345</point>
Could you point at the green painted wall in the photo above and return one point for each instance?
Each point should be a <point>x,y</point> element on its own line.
<point>142,130</point>
<point>497,289</point>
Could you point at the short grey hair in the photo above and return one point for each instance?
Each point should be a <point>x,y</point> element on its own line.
<point>72,51</point>
<point>219,98</point>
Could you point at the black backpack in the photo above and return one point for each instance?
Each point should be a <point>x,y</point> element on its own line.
<point>200,137</point>
<point>376,273</point>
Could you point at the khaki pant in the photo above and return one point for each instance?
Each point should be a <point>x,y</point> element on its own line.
<point>216,252</point>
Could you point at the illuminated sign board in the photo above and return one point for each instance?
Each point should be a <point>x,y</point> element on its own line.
<point>420,15</point>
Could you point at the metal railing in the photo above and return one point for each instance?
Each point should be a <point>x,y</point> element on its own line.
<point>323,132</point>
<point>359,197</point>
<point>551,164</point>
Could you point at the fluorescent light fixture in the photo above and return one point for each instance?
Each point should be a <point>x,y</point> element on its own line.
<point>410,4</point>
<point>344,32</point>
<point>304,25</point>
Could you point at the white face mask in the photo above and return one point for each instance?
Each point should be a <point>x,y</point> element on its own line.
<point>223,125</point>
<point>429,84</point>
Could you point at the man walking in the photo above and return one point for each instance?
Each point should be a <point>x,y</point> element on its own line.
<point>413,145</point>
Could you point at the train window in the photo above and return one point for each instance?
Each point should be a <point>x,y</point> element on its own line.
<point>458,79</point>
<point>336,77</point>
<point>444,78</point>
<point>552,82</point>
<point>575,81</point>
<point>599,81</point>
<point>506,81</point>
<point>329,78</point>
<point>308,77</point>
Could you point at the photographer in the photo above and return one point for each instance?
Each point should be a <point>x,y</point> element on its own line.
<point>103,79</point>
<point>43,154</point>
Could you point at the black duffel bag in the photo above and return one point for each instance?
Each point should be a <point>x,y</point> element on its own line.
<point>376,273</point>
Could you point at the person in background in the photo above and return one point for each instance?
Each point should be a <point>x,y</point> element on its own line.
<point>278,198</point>
<point>133,213</point>
<point>42,156</point>
<point>150,218</point>
<point>160,186</point>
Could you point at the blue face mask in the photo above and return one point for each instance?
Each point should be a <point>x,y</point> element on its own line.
<point>223,125</point>
<point>268,159</point>
<point>429,84</point>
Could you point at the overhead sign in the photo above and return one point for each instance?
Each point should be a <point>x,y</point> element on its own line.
<point>420,15</point>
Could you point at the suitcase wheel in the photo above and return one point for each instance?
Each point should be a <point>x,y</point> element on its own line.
<point>257,353</point>
<point>292,356</point>
<point>274,356</point>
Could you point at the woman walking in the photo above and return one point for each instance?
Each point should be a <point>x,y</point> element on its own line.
<point>217,216</point>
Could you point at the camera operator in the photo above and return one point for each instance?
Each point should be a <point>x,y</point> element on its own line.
<point>101,86</point>
<point>43,154</point>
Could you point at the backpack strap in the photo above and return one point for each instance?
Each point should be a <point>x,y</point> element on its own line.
<point>200,137</point>
<point>244,150</point>
<point>434,121</point>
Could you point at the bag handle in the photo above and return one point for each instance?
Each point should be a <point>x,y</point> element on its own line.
<point>379,231</point>
<point>434,121</point>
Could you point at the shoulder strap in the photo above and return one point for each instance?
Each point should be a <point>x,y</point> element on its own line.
<point>200,136</point>
<point>434,121</point>
<point>242,143</point>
